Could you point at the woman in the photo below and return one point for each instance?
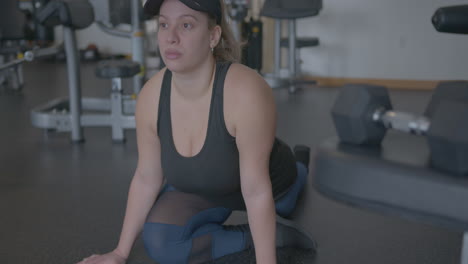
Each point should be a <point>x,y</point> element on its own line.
<point>206,144</point>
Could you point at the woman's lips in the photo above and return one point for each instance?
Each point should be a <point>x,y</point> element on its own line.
<point>172,54</point>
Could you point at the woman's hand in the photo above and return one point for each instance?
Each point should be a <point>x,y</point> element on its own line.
<point>110,258</point>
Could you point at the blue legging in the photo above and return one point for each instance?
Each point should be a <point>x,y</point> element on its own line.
<point>203,237</point>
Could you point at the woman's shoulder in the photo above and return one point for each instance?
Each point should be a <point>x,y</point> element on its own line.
<point>153,85</point>
<point>244,81</point>
<point>245,92</point>
<point>148,98</point>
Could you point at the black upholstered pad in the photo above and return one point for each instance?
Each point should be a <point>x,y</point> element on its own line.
<point>76,14</point>
<point>117,69</point>
<point>392,179</point>
<point>291,9</point>
<point>302,42</point>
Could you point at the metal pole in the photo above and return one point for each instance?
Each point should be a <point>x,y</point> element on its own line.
<point>137,45</point>
<point>116,111</point>
<point>20,75</point>
<point>464,250</point>
<point>74,85</point>
<point>292,55</point>
<point>277,48</point>
<point>235,28</point>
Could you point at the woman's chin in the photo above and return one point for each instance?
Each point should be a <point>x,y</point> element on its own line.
<point>181,66</point>
<point>173,67</point>
<point>178,67</point>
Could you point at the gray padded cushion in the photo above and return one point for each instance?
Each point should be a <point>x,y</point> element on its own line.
<point>394,179</point>
<point>117,69</point>
<point>76,14</point>
<point>451,19</point>
<point>291,9</point>
<point>10,50</point>
<point>301,42</point>
<point>12,21</point>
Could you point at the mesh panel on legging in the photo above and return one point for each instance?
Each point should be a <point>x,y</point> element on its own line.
<point>183,224</point>
<point>176,208</point>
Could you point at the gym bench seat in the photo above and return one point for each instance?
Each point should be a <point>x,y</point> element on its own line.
<point>116,70</point>
<point>290,10</point>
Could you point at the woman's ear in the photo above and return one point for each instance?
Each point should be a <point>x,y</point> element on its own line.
<point>215,36</point>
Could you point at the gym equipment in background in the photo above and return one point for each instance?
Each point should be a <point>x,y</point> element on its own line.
<point>252,33</point>
<point>451,19</point>
<point>363,113</point>
<point>289,10</point>
<point>69,114</point>
<point>111,13</point>
<point>249,32</point>
<point>12,23</point>
<point>394,178</point>
<point>237,10</point>
<point>448,90</point>
<point>116,70</point>
<point>31,55</point>
<point>36,32</point>
<point>22,39</point>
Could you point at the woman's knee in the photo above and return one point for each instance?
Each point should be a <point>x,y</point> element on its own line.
<point>285,206</point>
<point>169,243</point>
<point>165,243</point>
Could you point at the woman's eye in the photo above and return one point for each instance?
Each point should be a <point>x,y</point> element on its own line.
<point>187,25</point>
<point>163,25</point>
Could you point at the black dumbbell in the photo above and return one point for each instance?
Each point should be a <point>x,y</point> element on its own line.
<point>449,90</point>
<point>363,113</point>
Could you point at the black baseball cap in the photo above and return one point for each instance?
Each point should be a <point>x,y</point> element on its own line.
<point>212,7</point>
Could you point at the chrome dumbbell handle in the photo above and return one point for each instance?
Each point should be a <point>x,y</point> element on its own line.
<point>401,121</point>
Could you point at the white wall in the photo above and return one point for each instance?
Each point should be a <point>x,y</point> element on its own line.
<point>105,42</point>
<point>388,39</point>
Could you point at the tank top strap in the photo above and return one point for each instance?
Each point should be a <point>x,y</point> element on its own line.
<point>164,96</point>
<point>222,69</point>
<point>217,123</point>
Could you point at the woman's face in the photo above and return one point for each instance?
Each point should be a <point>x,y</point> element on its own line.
<point>184,37</point>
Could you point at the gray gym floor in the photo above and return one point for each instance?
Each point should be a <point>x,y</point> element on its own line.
<point>61,202</point>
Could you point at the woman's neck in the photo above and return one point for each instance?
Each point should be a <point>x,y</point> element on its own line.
<point>197,83</point>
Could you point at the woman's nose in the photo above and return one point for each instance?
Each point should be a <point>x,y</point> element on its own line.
<point>172,36</point>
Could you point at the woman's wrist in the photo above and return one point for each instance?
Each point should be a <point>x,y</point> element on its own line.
<point>120,253</point>
<point>267,260</point>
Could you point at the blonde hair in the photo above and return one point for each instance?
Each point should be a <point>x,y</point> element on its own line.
<point>228,48</point>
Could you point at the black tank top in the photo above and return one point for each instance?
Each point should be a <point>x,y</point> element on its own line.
<point>214,171</point>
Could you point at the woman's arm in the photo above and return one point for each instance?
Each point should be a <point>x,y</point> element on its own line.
<point>255,124</point>
<point>148,178</point>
